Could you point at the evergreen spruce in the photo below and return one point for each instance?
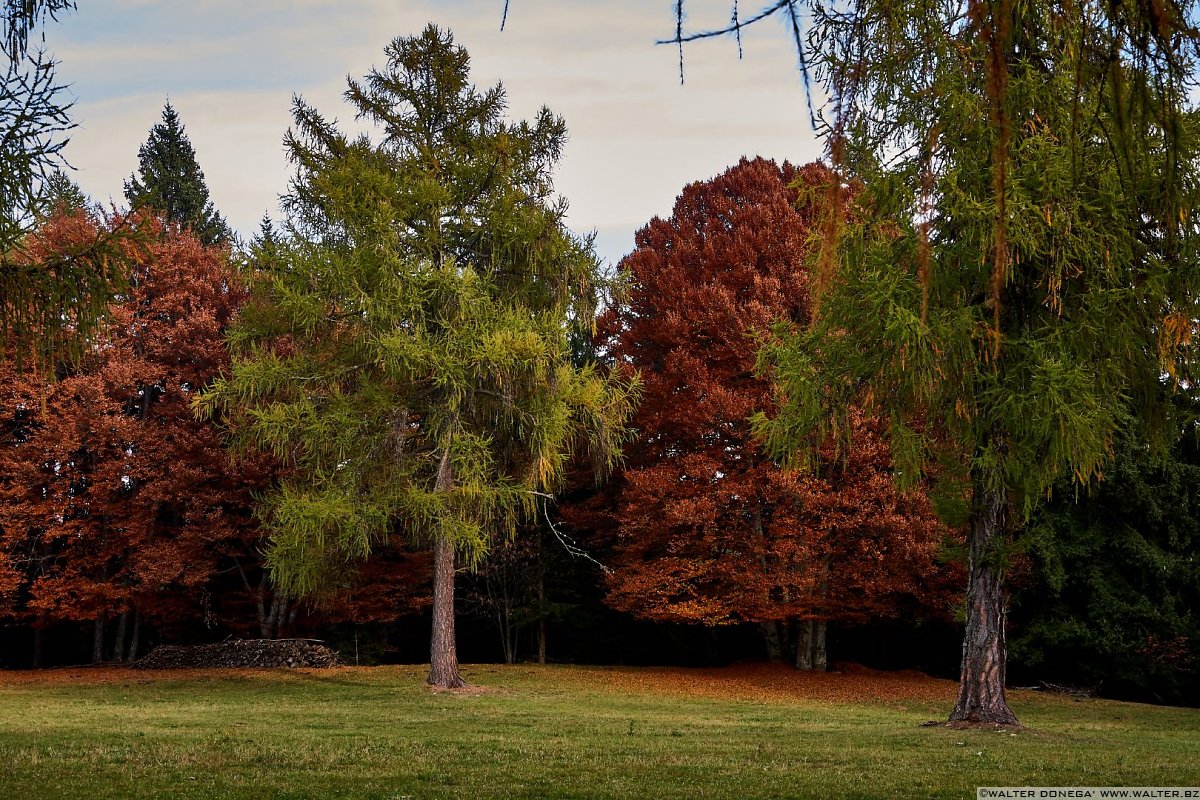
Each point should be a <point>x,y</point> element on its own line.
<point>409,354</point>
<point>169,181</point>
<point>1111,595</point>
<point>64,194</point>
<point>1015,280</point>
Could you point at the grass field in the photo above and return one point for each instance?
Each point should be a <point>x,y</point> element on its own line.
<point>525,731</point>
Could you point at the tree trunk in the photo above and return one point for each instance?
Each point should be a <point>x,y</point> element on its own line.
<point>443,652</point>
<point>273,622</point>
<point>118,649</point>
<point>804,643</point>
<point>443,655</point>
<point>504,614</point>
<point>820,659</point>
<point>259,592</point>
<point>770,633</point>
<point>981,685</point>
<point>135,638</point>
<point>98,640</point>
<point>507,645</point>
<point>284,618</point>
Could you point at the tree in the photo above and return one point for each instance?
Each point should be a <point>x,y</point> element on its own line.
<point>47,309</point>
<point>409,356</point>
<point>34,119</point>
<point>1113,589</point>
<point>508,589</point>
<point>709,528</point>
<point>64,194</point>
<point>1016,282</point>
<point>170,182</point>
<point>116,501</point>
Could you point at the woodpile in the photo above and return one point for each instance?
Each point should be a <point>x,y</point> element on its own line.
<point>241,653</point>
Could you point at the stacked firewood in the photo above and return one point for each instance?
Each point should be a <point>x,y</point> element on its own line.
<point>242,653</point>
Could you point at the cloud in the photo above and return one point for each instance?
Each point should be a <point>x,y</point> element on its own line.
<point>230,69</point>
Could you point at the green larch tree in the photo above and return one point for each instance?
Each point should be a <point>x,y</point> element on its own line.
<point>1015,280</point>
<point>48,307</point>
<point>169,181</point>
<point>408,353</point>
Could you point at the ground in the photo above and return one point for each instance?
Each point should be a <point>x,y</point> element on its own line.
<point>558,731</point>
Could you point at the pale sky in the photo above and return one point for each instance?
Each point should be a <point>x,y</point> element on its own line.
<point>230,68</point>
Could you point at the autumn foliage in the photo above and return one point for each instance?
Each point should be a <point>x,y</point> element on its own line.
<point>706,528</point>
<point>114,499</point>
<point>117,505</point>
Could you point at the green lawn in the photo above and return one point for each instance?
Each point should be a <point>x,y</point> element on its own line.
<point>555,732</point>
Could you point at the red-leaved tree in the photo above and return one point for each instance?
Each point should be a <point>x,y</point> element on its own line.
<point>115,502</point>
<point>706,527</point>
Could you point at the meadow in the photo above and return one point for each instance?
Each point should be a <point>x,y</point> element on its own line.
<point>558,731</point>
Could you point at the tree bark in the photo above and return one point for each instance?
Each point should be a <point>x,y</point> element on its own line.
<point>804,642</point>
<point>770,634</point>
<point>508,638</point>
<point>541,626</point>
<point>981,685</point>
<point>135,638</point>
<point>820,658</point>
<point>118,650</point>
<point>443,653</point>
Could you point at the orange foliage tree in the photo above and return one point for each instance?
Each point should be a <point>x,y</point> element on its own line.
<point>115,502</point>
<point>707,528</point>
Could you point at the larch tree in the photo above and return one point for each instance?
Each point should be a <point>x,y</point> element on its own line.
<point>1016,283</point>
<point>709,528</point>
<point>169,181</point>
<point>408,357</point>
<point>47,308</point>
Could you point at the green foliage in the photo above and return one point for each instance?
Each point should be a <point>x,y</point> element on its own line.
<point>1016,268</point>
<point>21,17</point>
<point>47,307</point>
<point>1114,590</point>
<point>407,351</point>
<point>1010,272</point>
<point>170,182</point>
<point>64,194</point>
<point>34,118</point>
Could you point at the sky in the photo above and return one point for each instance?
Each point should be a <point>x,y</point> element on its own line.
<point>231,67</point>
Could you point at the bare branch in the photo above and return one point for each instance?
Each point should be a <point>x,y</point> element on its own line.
<point>570,545</point>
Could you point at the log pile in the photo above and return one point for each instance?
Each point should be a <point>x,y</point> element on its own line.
<point>239,653</point>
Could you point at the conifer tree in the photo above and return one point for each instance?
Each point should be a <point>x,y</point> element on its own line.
<point>410,356</point>
<point>64,194</point>
<point>169,181</point>
<point>48,308</point>
<point>1016,282</point>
